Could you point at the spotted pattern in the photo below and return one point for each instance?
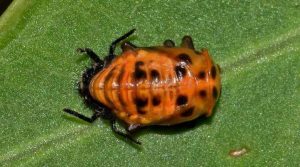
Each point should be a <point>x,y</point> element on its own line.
<point>158,85</point>
<point>188,112</point>
<point>141,102</point>
<point>139,74</point>
<point>156,100</point>
<point>213,72</point>
<point>185,58</point>
<point>155,75</point>
<point>181,100</point>
<point>180,71</point>
<point>202,93</point>
<point>202,75</point>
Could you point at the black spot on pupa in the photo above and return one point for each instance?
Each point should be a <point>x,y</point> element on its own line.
<point>202,93</point>
<point>188,112</point>
<point>185,58</point>
<point>181,100</point>
<point>213,72</point>
<point>202,75</point>
<point>139,73</point>
<point>156,100</point>
<point>215,92</point>
<point>140,102</point>
<point>142,112</point>
<point>180,71</point>
<point>138,64</point>
<point>154,75</point>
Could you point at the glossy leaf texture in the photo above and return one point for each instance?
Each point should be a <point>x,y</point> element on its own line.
<point>255,123</point>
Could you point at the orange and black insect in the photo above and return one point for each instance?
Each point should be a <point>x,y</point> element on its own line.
<point>162,85</point>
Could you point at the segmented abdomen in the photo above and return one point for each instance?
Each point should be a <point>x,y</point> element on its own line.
<point>144,88</point>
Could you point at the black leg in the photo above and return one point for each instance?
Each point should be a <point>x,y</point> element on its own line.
<point>127,46</point>
<point>111,54</point>
<point>99,114</point>
<point>78,115</point>
<point>91,54</point>
<point>126,135</point>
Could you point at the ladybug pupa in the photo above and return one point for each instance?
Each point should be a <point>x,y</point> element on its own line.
<point>143,86</point>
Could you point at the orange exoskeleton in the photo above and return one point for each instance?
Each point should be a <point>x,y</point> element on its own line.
<point>143,86</point>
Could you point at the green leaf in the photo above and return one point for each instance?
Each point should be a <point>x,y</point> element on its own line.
<point>256,43</point>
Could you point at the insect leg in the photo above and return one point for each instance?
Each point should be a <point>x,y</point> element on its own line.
<point>117,131</point>
<point>111,53</point>
<point>127,46</point>
<point>78,115</point>
<point>91,54</point>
